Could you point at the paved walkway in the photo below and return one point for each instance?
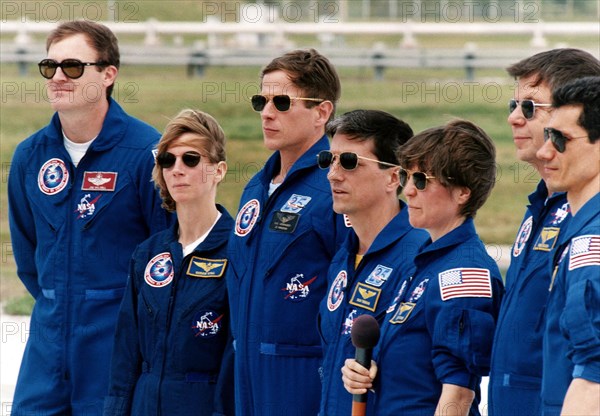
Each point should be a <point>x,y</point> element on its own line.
<point>15,330</point>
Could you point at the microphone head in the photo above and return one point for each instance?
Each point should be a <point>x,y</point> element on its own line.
<point>365,332</point>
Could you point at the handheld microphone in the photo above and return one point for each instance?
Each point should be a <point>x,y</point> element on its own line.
<point>364,334</point>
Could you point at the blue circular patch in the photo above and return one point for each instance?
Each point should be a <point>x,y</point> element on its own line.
<point>247,217</point>
<point>159,270</point>
<point>53,177</point>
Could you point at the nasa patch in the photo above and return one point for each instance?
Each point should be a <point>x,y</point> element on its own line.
<point>86,206</point>
<point>159,270</point>
<point>99,181</point>
<point>560,214</point>
<point>336,292</point>
<point>53,176</point>
<point>246,218</point>
<point>348,322</point>
<point>418,292</point>
<point>522,236</point>
<point>297,287</point>
<point>206,268</point>
<point>206,324</point>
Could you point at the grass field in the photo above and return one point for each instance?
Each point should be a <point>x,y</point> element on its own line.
<point>422,98</point>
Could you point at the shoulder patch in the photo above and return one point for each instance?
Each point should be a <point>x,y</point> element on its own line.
<point>465,283</point>
<point>585,251</point>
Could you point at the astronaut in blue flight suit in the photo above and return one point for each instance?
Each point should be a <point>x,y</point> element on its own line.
<point>380,248</point>
<point>173,352</point>
<point>571,346</point>
<point>436,338</point>
<point>516,372</point>
<point>80,200</point>
<point>285,236</point>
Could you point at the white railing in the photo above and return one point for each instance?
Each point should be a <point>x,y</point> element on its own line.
<point>152,30</point>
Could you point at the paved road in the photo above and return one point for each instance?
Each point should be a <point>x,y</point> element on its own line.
<point>15,330</point>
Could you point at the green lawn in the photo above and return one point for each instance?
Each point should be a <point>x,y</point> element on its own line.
<point>422,98</point>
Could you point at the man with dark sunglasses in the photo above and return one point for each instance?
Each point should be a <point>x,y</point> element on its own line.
<point>285,236</point>
<point>80,200</point>
<point>516,371</point>
<point>571,164</point>
<point>363,173</point>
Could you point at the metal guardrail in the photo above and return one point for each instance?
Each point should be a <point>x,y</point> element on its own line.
<point>256,44</point>
<point>197,60</point>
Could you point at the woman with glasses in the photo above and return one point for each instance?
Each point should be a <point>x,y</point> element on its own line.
<point>172,351</point>
<point>437,336</point>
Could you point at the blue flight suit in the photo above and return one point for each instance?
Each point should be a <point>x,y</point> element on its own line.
<point>367,290</point>
<point>516,373</point>
<point>280,250</point>
<point>173,352</point>
<point>440,328</point>
<point>572,330</point>
<point>73,231</point>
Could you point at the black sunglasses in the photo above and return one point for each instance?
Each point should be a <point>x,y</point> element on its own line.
<point>527,107</point>
<point>281,102</point>
<point>419,178</point>
<point>558,139</point>
<point>348,160</point>
<point>166,160</point>
<point>72,68</point>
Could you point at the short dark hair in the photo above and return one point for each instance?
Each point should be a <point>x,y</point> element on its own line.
<point>556,67</point>
<point>387,132</point>
<point>310,71</point>
<point>209,139</point>
<point>100,38</point>
<point>457,154</point>
<point>584,92</point>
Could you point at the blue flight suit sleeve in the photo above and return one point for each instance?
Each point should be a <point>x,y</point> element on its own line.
<point>224,391</point>
<point>126,356</point>
<point>462,336</point>
<point>580,320</point>
<point>21,221</point>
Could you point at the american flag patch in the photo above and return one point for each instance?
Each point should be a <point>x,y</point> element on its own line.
<point>585,251</point>
<point>465,283</point>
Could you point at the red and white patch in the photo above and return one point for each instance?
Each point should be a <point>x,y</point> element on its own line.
<point>53,176</point>
<point>336,292</point>
<point>159,270</point>
<point>99,181</point>
<point>246,218</point>
<point>347,222</point>
<point>585,251</point>
<point>522,236</point>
